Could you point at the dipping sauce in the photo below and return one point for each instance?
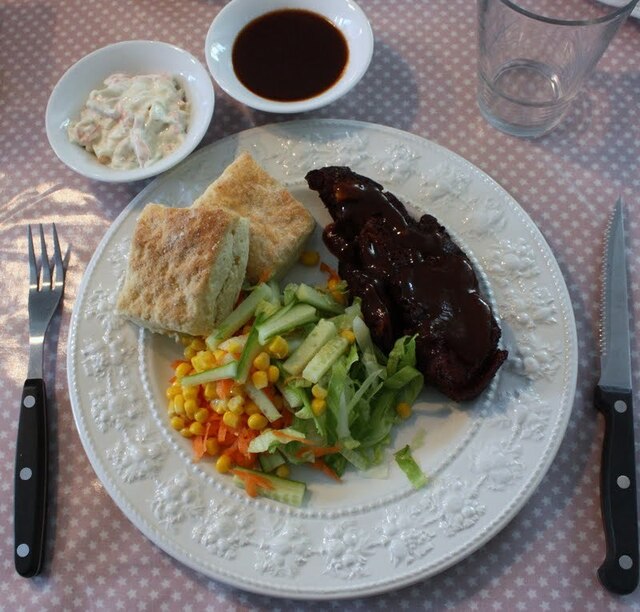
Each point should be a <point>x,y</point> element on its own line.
<point>133,120</point>
<point>289,55</point>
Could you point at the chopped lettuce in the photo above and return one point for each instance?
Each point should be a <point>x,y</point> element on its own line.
<point>408,465</point>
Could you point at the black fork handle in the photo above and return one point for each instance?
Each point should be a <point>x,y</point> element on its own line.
<point>30,483</point>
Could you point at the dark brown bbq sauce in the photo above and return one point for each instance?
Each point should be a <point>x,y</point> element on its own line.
<point>289,55</point>
<point>443,284</point>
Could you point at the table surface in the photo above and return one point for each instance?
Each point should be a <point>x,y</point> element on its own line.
<point>422,80</point>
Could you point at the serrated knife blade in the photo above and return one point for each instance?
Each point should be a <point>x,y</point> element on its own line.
<point>619,571</point>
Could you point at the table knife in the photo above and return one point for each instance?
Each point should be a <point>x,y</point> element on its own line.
<point>613,397</point>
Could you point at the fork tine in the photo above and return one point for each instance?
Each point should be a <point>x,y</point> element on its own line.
<point>57,258</point>
<point>33,267</point>
<point>46,266</point>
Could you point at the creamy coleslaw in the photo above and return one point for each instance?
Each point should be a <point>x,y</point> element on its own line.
<point>133,121</point>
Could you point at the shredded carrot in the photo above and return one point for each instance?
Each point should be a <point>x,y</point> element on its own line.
<point>222,432</point>
<point>283,436</point>
<point>319,451</point>
<point>230,450</point>
<point>247,461</point>
<point>252,482</point>
<point>265,275</point>
<point>329,270</point>
<point>319,464</point>
<point>223,388</point>
<point>199,448</point>
<point>244,439</point>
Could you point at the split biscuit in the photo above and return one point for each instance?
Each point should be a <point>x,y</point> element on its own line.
<point>279,224</point>
<point>186,268</point>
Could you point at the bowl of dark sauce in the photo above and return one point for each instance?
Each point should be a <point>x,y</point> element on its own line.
<point>289,56</point>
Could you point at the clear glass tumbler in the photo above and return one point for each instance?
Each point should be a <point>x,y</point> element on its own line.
<point>534,55</point>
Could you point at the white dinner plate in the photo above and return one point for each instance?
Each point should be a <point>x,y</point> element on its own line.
<point>367,534</point>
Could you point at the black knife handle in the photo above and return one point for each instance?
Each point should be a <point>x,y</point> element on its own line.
<point>30,483</point>
<point>619,571</point>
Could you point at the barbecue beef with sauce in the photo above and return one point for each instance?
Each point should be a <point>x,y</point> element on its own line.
<point>412,278</point>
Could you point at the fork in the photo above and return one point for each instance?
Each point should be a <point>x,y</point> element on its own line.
<point>46,286</point>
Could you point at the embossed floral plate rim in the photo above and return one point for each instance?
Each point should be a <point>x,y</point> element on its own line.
<point>329,553</point>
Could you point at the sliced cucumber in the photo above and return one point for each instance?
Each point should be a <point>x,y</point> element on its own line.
<point>265,405</point>
<point>269,462</point>
<point>283,489</point>
<point>296,316</point>
<point>321,301</point>
<point>249,353</point>
<point>244,311</point>
<point>228,370</point>
<point>319,336</point>
<point>325,358</point>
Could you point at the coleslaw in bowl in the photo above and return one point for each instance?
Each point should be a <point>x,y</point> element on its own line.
<point>86,79</point>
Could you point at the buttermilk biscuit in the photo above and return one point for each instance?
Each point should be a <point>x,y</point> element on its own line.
<point>186,268</point>
<point>280,225</point>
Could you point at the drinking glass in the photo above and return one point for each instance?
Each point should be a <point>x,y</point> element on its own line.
<point>534,55</point>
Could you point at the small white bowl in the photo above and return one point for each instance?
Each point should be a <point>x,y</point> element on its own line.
<point>346,15</point>
<point>131,57</point>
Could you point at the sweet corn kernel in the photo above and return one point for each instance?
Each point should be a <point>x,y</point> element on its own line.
<point>219,355</point>
<point>262,361</point>
<point>206,360</point>
<point>172,391</point>
<point>273,373</point>
<point>233,345</point>
<point>223,464</point>
<point>186,432</point>
<point>186,340</point>
<point>198,344</point>
<point>202,415</point>
<point>251,408</point>
<point>197,429</point>
<point>318,391</point>
<point>178,404</point>
<point>183,369</point>
<point>236,404</point>
<point>210,391</point>
<point>230,419</point>
<point>338,296</point>
<point>257,421</point>
<point>190,408</point>
<point>170,409</point>
<point>189,353</point>
<point>177,423</point>
<point>404,410</point>
<point>190,393</point>
<point>347,334</point>
<point>278,347</point>
<point>259,379</point>
<point>318,406</point>
<point>283,471</point>
<point>219,405</point>
<point>310,258</point>
<point>211,446</point>
<point>236,390</point>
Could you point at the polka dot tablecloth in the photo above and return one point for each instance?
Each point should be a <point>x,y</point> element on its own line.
<point>422,80</point>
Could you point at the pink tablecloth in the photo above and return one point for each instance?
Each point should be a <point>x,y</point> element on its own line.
<point>422,79</point>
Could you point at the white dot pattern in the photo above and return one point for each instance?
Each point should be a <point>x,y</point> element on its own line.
<point>421,79</point>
